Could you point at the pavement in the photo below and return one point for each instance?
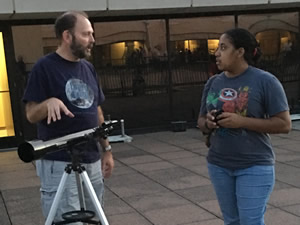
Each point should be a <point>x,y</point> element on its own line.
<point>159,179</point>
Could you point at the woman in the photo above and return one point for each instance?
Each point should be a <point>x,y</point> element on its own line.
<point>250,103</point>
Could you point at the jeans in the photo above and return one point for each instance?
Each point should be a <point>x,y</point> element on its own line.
<point>50,173</point>
<point>243,193</point>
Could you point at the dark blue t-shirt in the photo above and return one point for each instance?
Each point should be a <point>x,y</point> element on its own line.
<point>255,93</point>
<point>76,85</point>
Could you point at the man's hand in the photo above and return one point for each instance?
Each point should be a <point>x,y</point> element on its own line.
<point>49,109</point>
<point>108,164</point>
<point>54,107</point>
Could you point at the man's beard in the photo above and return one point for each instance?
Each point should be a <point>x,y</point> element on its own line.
<point>79,50</point>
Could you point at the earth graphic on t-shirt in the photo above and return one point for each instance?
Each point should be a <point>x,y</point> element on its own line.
<point>79,93</point>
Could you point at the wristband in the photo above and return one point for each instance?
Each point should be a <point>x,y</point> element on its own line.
<point>107,148</point>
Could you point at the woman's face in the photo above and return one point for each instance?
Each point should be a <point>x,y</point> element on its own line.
<point>227,56</point>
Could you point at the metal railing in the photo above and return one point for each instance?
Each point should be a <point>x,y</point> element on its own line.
<point>150,78</point>
<point>140,93</point>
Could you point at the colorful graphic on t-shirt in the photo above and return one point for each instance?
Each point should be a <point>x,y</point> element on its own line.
<point>79,93</point>
<point>242,101</point>
<point>212,98</point>
<point>234,101</point>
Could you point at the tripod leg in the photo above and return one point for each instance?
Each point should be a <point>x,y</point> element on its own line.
<point>56,200</point>
<point>94,198</point>
<point>80,191</point>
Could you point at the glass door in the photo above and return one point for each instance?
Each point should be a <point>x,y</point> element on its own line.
<point>6,119</point>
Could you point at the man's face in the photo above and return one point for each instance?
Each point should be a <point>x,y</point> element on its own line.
<point>82,38</point>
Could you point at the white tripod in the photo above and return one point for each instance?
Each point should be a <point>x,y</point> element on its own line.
<point>80,215</point>
<point>29,151</point>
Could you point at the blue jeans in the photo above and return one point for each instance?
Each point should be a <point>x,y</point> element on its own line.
<point>243,193</point>
<point>50,173</point>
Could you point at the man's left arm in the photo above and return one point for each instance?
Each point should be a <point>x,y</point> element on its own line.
<point>107,157</point>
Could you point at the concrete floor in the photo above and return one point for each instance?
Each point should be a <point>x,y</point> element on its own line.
<point>159,179</point>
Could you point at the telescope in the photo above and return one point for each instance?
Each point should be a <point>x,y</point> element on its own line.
<point>33,150</point>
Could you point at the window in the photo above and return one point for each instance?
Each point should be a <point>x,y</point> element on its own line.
<point>6,121</point>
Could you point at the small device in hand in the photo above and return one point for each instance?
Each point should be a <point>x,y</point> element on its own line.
<point>216,114</point>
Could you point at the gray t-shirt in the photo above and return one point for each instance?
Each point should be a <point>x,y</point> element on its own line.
<point>255,93</point>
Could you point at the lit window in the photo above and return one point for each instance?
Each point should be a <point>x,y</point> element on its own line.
<point>212,45</point>
<point>6,121</point>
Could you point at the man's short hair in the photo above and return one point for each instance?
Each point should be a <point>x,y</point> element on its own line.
<point>67,21</point>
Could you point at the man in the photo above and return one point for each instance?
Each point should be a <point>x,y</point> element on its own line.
<point>63,97</point>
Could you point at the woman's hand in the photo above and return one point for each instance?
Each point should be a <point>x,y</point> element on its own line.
<point>211,121</point>
<point>279,123</point>
<point>230,120</point>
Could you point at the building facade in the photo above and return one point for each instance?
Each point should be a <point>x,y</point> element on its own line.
<point>154,54</point>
